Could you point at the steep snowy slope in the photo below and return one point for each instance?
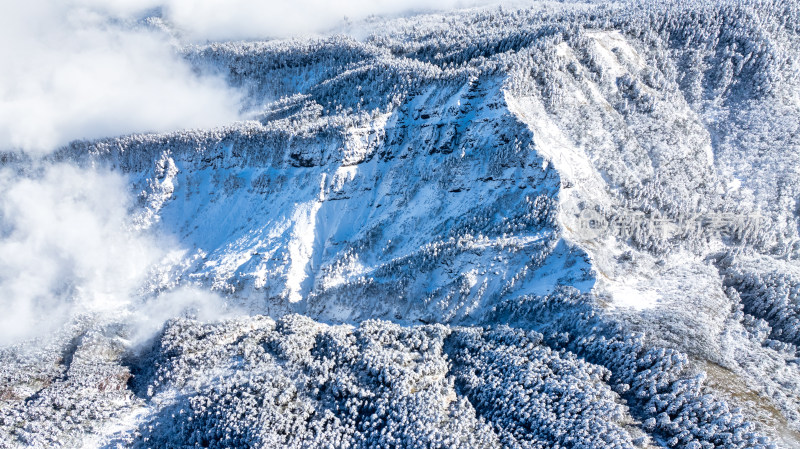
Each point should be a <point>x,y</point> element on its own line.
<point>617,183</point>
<point>429,212</point>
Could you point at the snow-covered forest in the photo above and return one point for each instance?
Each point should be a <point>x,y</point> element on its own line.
<point>563,224</point>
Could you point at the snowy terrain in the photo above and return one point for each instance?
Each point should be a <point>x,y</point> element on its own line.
<point>569,224</point>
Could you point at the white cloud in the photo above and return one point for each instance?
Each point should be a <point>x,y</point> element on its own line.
<point>71,71</point>
<point>148,318</point>
<point>67,247</point>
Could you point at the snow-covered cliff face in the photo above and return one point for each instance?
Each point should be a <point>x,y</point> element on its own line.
<point>431,211</point>
<point>616,183</point>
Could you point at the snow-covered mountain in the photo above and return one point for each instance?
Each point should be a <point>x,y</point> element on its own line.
<point>570,225</point>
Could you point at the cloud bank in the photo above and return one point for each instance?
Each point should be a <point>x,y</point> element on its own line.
<point>67,247</point>
<point>64,248</point>
<point>73,70</point>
